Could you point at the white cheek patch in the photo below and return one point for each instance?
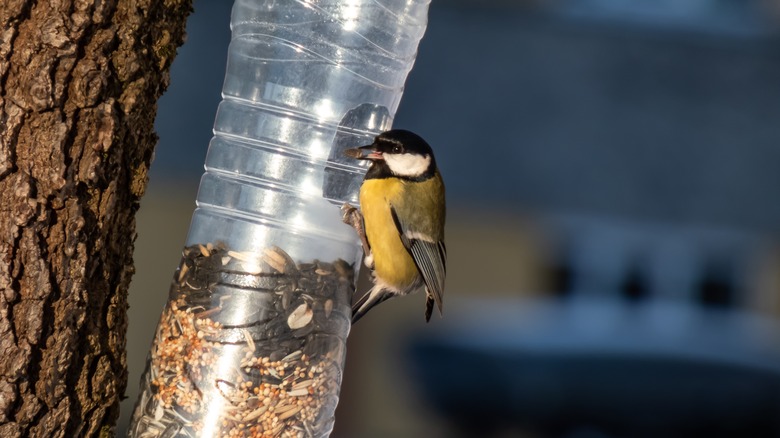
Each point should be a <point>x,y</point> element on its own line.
<point>410,165</point>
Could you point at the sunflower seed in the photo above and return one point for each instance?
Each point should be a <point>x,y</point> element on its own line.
<point>300,317</point>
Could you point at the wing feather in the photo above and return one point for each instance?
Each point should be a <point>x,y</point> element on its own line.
<point>430,258</point>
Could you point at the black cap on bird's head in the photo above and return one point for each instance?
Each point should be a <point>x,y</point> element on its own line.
<point>398,152</point>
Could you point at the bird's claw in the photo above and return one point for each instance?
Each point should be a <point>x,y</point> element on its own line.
<point>350,215</point>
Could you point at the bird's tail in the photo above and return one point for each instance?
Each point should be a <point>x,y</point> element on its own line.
<point>429,301</point>
<point>370,299</point>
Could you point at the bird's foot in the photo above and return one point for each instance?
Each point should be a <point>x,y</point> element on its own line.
<point>351,216</point>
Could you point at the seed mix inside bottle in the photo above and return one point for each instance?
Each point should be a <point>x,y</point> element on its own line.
<point>249,345</point>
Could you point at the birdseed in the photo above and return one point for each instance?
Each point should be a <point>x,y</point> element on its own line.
<point>249,345</point>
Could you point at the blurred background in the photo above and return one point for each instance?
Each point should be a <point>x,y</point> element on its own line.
<point>613,186</point>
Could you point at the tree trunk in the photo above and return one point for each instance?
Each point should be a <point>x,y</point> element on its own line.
<point>79,82</point>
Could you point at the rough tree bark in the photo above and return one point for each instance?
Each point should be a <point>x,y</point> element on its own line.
<point>79,82</point>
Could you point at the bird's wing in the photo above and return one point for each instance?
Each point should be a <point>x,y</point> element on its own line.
<point>430,259</point>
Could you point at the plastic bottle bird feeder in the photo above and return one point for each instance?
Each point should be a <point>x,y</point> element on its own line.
<point>252,339</point>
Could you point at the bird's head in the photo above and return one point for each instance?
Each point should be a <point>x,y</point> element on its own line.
<point>404,153</point>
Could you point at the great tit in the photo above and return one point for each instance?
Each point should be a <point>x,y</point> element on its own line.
<point>402,222</point>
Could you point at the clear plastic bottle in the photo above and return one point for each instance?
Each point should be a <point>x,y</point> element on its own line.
<point>252,340</point>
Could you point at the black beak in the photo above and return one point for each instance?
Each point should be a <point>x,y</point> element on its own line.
<point>358,153</point>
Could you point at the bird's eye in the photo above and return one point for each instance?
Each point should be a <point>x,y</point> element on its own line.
<point>397,149</point>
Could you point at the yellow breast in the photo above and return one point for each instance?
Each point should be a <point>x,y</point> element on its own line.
<point>392,263</point>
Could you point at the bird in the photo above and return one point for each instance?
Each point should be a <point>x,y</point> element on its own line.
<point>401,220</point>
